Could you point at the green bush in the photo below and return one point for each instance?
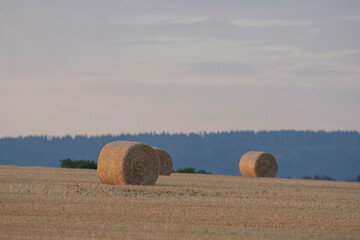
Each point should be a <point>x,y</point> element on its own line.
<point>186,170</point>
<point>317,177</point>
<point>68,163</point>
<point>191,170</point>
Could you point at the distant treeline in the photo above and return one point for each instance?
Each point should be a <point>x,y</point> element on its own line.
<point>324,177</point>
<point>90,164</point>
<point>299,153</point>
<point>317,177</point>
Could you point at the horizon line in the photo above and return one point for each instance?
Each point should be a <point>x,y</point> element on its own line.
<point>201,132</point>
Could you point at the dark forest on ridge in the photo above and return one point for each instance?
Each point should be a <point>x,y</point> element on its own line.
<point>299,153</point>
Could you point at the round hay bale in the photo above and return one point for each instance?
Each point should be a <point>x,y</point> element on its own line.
<point>166,162</point>
<point>124,162</point>
<point>258,164</point>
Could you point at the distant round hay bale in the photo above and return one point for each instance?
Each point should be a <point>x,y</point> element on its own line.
<point>166,162</point>
<point>124,162</point>
<point>258,164</point>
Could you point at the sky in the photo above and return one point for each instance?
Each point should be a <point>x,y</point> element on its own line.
<point>109,67</point>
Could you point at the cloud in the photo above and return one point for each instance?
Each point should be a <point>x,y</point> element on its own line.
<point>155,20</point>
<point>184,20</point>
<point>323,71</point>
<point>291,51</point>
<point>270,23</point>
<point>350,18</point>
<point>219,68</point>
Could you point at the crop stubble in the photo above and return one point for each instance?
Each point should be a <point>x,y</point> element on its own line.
<point>38,202</point>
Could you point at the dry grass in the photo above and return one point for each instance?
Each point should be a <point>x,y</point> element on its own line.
<point>124,162</point>
<point>258,164</point>
<point>166,162</point>
<point>43,203</point>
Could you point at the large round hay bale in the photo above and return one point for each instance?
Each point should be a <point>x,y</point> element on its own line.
<point>166,162</point>
<point>124,162</point>
<point>258,164</point>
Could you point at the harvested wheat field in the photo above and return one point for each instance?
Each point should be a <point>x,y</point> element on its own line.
<point>51,203</point>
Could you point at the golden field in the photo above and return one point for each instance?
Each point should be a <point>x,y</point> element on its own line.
<point>53,203</point>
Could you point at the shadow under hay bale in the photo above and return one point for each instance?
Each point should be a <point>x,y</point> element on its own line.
<point>125,162</point>
<point>166,162</point>
<point>258,164</point>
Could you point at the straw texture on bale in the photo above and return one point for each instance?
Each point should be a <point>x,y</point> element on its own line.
<point>166,162</point>
<point>125,162</point>
<point>258,164</point>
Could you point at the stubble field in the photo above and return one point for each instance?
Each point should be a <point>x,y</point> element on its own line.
<point>51,203</point>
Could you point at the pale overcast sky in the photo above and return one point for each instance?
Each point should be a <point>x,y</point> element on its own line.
<point>100,67</point>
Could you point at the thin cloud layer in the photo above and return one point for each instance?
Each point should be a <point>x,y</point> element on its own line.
<point>270,23</point>
<point>220,68</point>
